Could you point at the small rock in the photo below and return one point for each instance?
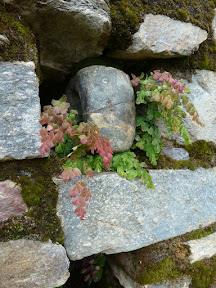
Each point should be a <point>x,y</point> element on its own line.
<point>11,200</point>
<point>202,248</point>
<point>175,153</point>
<point>4,41</point>
<point>162,37</point>
<point>107,100</point>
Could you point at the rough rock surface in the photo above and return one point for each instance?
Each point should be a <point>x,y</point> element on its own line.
<point>35,264</point>
<point>203,96</point>
<point>11,200</point>
<point>124,215</point>
<point>202,248</point>
<point>81,29</point>
<point>175,153</point>
<point>127,282</point>
<point>107,99</point>
<point>19,111</point>
<point>214,26</point>
<point>162,37</point>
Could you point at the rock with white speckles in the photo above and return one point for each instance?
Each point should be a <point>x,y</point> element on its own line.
<point>35,264</point>
<point>124,215</point>
<point>107,100</point>
<point>19,111</point>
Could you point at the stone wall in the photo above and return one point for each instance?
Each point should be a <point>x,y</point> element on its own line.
<point>160,238</point>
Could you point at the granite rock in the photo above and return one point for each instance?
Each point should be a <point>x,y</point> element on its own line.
<point>19,111</point>
<point>162,37</point>
<point>124,215</point>
<point>11,200</point>
<point>35,264</point>
<point>107,100</point>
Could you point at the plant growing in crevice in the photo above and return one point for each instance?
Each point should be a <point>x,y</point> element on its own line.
<point>160,96</point>
<point>71,141</point>
<point>92,267</point>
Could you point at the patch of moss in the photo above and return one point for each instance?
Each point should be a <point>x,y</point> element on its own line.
<point>22,46</point>
<point>127,14</point>
<point>202,154</point>
<point>203,273</point>
<point>39,192</point>
<point>160,273</point>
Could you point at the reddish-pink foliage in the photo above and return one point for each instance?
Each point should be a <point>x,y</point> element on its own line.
<point>86,135</point>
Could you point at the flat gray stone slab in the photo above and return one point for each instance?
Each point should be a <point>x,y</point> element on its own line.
<point>19,111</point>
<point>11,202</point>
<point>35,264</point>
<point>124,215</point>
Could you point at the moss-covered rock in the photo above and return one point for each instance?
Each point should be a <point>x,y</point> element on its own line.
<point>202,154</point>
<point>168,260</point>
<point>127,14</point>
<point>22,43</point>
<point>40,195</point>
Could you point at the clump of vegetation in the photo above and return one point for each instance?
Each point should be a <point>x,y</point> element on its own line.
<point>39,193</point>
<point>22,44</point>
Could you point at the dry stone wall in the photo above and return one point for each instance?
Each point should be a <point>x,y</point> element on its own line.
<point>123,215</point>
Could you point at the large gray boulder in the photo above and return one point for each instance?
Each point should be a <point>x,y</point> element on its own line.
<point>162,37</point>
<point>35,264</point>
<point>107,100</point>
<point>19,111</point>
<point>203,96</point>
<point>124,215</point>
<point>67,31</point>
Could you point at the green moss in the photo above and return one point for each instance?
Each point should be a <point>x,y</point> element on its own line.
<point>202,154</point>
<point>39,192</point>
<point>127,14</point>
<point>161,272</point>
<point>202,273</point>
<point>22,45</point>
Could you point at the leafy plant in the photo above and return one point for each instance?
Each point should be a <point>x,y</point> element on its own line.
<point>161,97</point>
<point>71,141</point>
<point>125,163</point>
<point>93,267</point>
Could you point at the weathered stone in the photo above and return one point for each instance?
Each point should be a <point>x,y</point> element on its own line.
<point>107,100</point>
<point>214,26</point>
<point>81,29</point>
<point>175,153</point>
<point>27,263</point>
<point>19,111</point>
<point>11,200</point>
<point>202,248</point>
<point>127,282</point>
<point>124,215</point>
<point>162,37</point>
<point>203,96</point>
<point>4,41</point>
